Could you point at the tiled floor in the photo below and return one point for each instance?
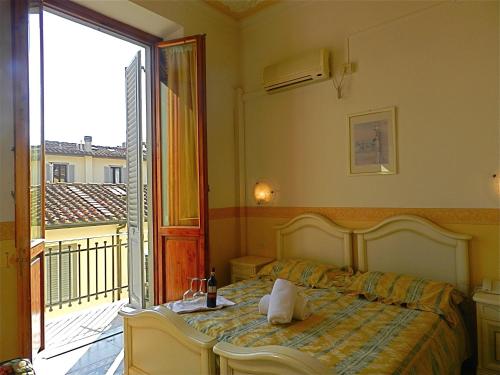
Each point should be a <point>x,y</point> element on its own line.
<point>76,329</point>
<point>104,357</point>
<point>88,342</point>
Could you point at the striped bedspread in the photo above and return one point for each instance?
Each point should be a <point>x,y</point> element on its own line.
<point>349,334</point>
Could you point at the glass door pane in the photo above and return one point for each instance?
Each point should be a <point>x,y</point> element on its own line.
<point>36,121</point>
<point>179,134</point>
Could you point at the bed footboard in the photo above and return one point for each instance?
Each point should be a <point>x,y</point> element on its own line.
<point>159,342</point>
<point>269,360</point>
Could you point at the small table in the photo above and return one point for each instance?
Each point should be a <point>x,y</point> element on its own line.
<point>246,267</point>
<point>488,332</point>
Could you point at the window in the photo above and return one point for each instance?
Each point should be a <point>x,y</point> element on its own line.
<point>116,175</point>
<point>59,173</point>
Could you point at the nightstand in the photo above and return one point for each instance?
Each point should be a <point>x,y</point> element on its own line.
<point>488,332</point>
<point>246,267</point>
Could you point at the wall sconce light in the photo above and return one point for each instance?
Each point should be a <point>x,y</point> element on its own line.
<point>496,179</point>
<point>263,192</point>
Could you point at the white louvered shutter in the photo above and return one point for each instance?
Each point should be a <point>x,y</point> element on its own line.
<point>108,178</point>
<point>48,172</point>
<point>134,183</point>
<point>71,173</point>
<point>57,279</point>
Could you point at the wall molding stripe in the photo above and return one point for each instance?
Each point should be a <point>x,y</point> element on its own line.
<point>481,216</point>
<point>484,216</point>
<point>7,230</point>
<point>224,213</point>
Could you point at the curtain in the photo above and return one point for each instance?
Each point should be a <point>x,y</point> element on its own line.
<point>182,135</point>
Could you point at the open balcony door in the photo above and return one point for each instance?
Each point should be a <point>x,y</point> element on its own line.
<point>135,193</point>
<point>180,171</point>
<point>27,65</point>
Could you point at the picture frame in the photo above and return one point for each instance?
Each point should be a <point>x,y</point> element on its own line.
<point>372,142</point>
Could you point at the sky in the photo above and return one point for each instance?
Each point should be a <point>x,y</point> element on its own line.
<point>84,82</point>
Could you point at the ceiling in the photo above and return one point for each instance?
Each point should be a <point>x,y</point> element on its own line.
<point>239,9</point>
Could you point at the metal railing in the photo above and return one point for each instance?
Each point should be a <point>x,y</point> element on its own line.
<point>77,270</point>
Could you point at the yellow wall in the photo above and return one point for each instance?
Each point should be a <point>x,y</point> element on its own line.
<point>436,62</point>
<point>8,299</point>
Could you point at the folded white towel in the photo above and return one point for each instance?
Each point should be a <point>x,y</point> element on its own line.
<point>282,302</point>
<point>301,310</point>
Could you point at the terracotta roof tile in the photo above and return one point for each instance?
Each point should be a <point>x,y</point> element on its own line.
<point>78,204</point>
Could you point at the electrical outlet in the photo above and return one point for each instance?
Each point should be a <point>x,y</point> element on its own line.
<point>349,68</point>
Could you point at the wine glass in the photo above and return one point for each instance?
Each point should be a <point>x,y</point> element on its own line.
<point>200,292</point>
<point>189,294</point>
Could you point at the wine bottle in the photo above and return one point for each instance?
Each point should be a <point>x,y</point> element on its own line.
<point>212,290</point>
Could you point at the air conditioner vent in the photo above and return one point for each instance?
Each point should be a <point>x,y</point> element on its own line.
<point>309,67</point>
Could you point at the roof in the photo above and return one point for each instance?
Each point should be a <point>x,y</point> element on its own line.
<point>77,149</point>
<point>81,204</point>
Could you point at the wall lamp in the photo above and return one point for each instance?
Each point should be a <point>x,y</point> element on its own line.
<point>263,193</point>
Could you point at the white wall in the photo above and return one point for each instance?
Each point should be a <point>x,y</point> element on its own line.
<point>436,62</point>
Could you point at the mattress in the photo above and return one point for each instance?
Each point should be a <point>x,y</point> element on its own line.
<point>347,333</point>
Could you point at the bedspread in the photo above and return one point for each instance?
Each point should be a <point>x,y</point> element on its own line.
<point>349,334</point>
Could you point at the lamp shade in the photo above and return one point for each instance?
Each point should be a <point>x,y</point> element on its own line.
<point>263,193</point>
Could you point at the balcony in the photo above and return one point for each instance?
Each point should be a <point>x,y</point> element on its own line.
<point>86,283</point>
<point>82,271</point>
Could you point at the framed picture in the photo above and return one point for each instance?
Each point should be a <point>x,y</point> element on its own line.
<point>372,142</point>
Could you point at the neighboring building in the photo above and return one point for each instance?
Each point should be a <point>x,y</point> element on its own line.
<point>85,162</point>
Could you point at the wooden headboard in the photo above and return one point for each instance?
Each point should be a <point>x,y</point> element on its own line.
<point>314,237</point>
<point>415,246</point>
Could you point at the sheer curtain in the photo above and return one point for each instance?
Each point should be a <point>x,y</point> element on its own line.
<point>182,138</point>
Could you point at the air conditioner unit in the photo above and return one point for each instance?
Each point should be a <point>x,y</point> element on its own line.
<point>307,68</point>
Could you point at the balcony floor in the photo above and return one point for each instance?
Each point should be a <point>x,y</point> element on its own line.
<point>83,343</point>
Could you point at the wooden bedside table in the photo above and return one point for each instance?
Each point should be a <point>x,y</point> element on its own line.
<point>246,267</point>
<point>488,332</point>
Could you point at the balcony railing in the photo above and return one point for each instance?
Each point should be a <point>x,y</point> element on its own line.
<point>78,270</point>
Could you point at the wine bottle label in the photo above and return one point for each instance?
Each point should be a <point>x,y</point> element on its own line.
<point>212,289</point>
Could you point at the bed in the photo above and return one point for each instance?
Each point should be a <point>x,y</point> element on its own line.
<point>345,335</point>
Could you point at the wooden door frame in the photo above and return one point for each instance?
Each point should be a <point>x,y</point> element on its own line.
<point>20,89</point>
<point>78,13</point>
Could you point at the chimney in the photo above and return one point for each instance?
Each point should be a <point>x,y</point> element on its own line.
<point>88,143</point>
